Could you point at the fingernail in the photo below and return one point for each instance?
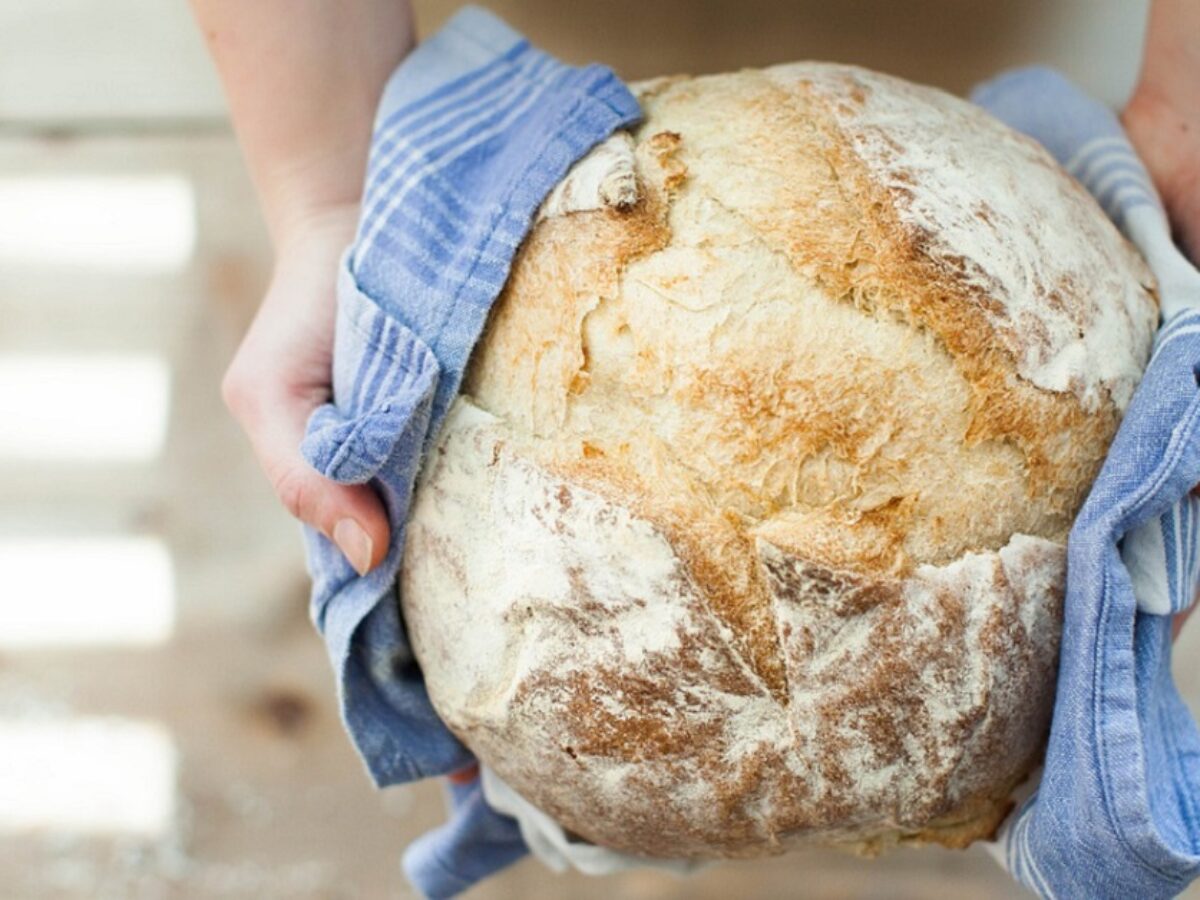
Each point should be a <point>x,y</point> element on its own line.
<point>354,543</point>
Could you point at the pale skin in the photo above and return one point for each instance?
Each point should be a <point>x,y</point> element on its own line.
<point>303,78</point>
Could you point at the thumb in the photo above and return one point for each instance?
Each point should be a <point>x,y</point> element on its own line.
<point>352,516</point>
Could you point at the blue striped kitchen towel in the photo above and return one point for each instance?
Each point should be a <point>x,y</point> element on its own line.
<point>474,129</point>
<point>1117,811</point>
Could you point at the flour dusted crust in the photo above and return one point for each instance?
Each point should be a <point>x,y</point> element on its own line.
<point>748,529</point>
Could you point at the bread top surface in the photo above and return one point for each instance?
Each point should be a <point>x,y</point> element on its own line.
<point>854,317</point>
<point>811,318</point>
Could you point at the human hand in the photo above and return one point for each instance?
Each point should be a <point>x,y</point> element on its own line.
<point>282,372</point>
<point>1163,124</point>
<point>1162,119</point>
<point>303,79</point>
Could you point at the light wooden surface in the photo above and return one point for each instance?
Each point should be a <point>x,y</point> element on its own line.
<point>271,801</point>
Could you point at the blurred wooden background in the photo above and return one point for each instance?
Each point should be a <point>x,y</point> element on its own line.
<point>205,747</point>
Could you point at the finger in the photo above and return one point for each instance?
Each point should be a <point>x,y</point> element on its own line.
<point>352,516</point>
<point>464,776</point>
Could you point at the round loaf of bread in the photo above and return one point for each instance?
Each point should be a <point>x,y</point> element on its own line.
<point>748,528</point>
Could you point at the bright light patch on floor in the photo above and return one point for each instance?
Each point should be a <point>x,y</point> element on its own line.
<point>86,775</point>
<point>85,591</point>
<point>83,407</point>
<point>112,222</point>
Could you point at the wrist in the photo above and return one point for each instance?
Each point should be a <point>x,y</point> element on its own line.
<point>313,226</point>
<point>1163,98</point>
<point>303,197</point>
<point>1163,130</point>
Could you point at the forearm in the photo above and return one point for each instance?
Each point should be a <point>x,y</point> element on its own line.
<point>1171,62</point>
<point>303,78</point>
<point>1163,114</point>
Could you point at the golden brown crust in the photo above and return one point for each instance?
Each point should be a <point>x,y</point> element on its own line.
<point>600,683</point>
<point>769,520</point>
